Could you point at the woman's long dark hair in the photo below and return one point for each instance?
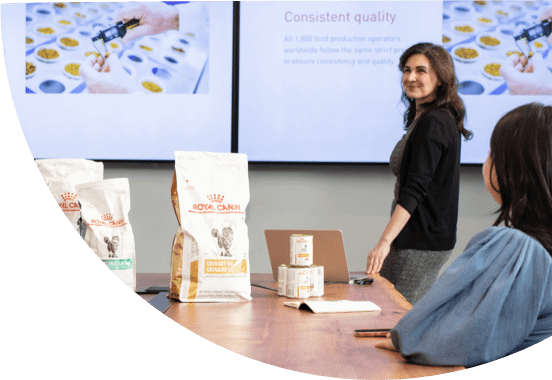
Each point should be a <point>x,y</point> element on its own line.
<point>447,94</point>
<point>521,153</point>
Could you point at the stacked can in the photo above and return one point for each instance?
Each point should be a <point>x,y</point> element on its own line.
<point>301,279</point>
<point>300,250</point>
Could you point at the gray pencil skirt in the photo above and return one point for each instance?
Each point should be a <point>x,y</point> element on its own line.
<point>413,271</point>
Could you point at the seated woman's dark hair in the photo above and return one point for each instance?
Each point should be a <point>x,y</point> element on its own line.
<point>521,153</point>
<point>447,94</point>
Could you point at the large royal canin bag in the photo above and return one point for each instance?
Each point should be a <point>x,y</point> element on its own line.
<point>105,207</point>
<point>210,254</point>
<point>62,176</point>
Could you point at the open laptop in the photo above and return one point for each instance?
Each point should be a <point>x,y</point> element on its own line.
<point>328,251</point>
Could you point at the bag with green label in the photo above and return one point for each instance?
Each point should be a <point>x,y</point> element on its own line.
<point>104,207</point>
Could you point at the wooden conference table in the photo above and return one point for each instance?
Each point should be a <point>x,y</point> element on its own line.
<point>318,344</point>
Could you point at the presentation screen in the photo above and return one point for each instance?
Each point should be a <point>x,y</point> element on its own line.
<point>319,81</point>
<point>121,81</point>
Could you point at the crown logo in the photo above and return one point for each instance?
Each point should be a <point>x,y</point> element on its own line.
<point>215,198</point>
<point>107,217</point>
<point>69,196</point>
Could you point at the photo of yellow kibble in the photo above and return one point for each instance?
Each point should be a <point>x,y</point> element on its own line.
<point>91,53</point>
<point>46,30</point>
<point>152,87</point>
<point>489,41</point>
<point>464,29</point>
<point>466,53</point>
<point>30,68</point>
<point>511,52</point>
<point>70,42</point>
<point>492,69</point>
<point>48,53</point>
<point>72,69</point>
<point>492,37</point>
<point>62,37</point>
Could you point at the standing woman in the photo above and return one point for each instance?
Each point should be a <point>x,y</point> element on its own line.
<point>421,234</point>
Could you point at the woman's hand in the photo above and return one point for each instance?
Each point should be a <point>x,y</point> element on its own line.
<point>546,15</point>
<point>527,78</point>
<point>376,257</point>
<point>106,77</point>
<point>154,18</point>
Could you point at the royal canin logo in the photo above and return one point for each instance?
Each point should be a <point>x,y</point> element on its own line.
<point>215,198</point>
<point>216,206</point>
<point>68,196</point>
<point>69,202</point>
<point>107,220</point>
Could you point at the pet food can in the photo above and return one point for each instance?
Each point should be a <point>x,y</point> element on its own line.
<point>300,250</point>
<point>282,279</point>
<point>298,282</point>
<point>317,281</point>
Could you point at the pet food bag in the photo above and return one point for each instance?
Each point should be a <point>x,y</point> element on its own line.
<point>104,207</point>
<point>210,254</point>
<point>62,175</point>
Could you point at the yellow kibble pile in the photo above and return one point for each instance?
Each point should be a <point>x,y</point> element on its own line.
<point>30,68</point>
<point>71,42</point>
<point>73,69</point>
<point>152,87</point>
<point>490,41</point>
<point>466,53</point>
<point>46,30</point>
<point>464,28</point>
<point>493,69</point>
<point>48,53</point>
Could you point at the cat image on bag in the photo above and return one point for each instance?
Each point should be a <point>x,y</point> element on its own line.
<point>112,245</point>
<point>224,240</point>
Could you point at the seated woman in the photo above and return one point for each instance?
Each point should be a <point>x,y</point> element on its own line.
<point>496,298</point>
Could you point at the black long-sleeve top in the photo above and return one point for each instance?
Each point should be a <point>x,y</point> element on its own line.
<point>429,183</point>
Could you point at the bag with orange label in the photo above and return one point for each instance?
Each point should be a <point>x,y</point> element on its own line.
<point>210,254</point>
<point>105,206</point>
<point>62,175</point>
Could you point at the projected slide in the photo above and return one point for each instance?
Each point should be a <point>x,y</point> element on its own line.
<point>60,37</point>
<point>481,35</point>
<point>319,81</point>
<point>134,81</point>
